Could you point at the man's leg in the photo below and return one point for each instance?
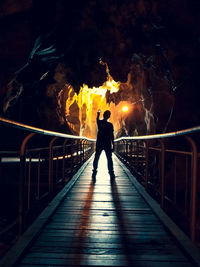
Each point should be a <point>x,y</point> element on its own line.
<point>110,162</point>
<point>95,162</point>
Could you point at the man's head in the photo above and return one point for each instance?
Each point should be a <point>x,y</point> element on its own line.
<point>106,114</point>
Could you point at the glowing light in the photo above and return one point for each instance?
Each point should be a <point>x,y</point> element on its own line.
<point>125,108</point>
<point>81,109</point>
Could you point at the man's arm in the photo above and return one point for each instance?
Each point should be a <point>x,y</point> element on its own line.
<point>98,115</point>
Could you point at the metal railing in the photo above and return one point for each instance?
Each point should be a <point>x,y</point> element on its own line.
<point>168,166</point>
<point>32,174</point>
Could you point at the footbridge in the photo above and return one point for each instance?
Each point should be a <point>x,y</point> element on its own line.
<point>53,214</point>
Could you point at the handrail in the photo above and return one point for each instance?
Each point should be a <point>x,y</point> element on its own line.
<point>37,181</point>
<point>169,171</point>
<point>142,137</point>
<point>41,131</point>
<point>165,135</point>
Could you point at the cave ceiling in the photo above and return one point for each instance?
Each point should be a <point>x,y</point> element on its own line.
<point>150,46</point>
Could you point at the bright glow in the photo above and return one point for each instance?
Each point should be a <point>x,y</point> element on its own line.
<point>81,109</point>
<point>125,108</point>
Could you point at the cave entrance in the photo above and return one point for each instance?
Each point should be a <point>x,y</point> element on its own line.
<point>81,108</point>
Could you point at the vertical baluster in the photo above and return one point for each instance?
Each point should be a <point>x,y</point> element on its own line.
<point>175,180</point>
<point>137,155</point>
<point>131,153</point>
<point>63,160</point>
<point>186,185</point>
<point>146,164</point>
<point>193,188</point>
<point>29,182</point>
<point>50,180</point>
<point>72,158</point>
<point>22,179</point>
<point>56,171</point>
<point>0,164</point>
<point>162,173</point>
<point>38,178</point>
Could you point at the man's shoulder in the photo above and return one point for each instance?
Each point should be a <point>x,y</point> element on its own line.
<point>110,124</point>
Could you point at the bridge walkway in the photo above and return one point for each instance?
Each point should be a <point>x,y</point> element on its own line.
<point>104,224</point>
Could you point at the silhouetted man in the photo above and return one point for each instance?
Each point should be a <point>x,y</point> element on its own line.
<point>105,141</point>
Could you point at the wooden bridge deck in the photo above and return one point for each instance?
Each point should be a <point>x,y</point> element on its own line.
<point>104,224</point>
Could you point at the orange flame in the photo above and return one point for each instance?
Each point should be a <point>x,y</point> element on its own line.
<point>81,108</point>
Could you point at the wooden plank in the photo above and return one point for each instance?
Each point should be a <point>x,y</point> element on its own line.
<point>112,263</point>
<point>105,260</point>
<point>103,255</point>
<point>104,226</point>
<point>95,248</point>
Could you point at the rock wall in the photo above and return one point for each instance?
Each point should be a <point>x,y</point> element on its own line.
<point>156,43</point>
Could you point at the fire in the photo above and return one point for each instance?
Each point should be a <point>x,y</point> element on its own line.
<point>81,108</point>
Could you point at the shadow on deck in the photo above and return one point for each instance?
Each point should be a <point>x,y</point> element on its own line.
<point>104,224</point>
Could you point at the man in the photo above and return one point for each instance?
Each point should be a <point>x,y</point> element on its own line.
<point>105,141</point>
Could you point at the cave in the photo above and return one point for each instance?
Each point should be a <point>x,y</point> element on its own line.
<point>61,61</point>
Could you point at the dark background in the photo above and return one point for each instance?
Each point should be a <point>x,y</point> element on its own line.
<point>41,38</point>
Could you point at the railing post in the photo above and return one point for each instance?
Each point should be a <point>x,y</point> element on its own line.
<point>63,161</point>
<point>76,152</point>
<point>29,183</point>
<point>137,157</point>
<point>72,156</point>
<point>83,149</point>
<point>38,180</point>
<point>193,188</point>
<point>50,181</point>
<point>120,147</point>
<point>22,179</point>
<point>0,164</point>
<point>131,151</point>
<point>147,165</point>
<point>124,150</point>
<point>162,173</point>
